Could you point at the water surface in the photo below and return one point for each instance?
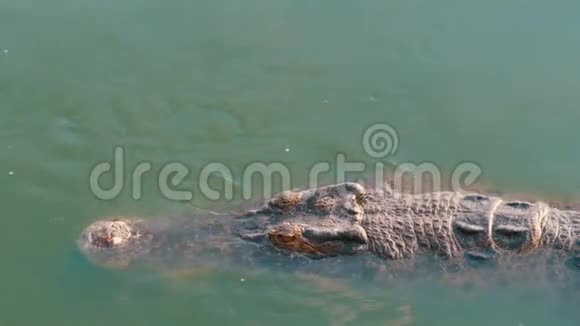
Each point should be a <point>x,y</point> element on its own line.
<point>297,82</point>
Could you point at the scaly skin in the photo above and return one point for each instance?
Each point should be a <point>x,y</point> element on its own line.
<point>453,224</point>
<point>346,220</point>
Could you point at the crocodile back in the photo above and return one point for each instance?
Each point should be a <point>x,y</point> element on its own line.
<point>403,225</point>
<point>450,224</point>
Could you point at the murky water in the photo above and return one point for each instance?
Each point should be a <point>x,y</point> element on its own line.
<point>494,83</point>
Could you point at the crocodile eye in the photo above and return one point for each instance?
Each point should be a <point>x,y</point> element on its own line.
<point>285,238</point>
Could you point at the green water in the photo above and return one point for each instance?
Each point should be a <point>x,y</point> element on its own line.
<point>491,82</point>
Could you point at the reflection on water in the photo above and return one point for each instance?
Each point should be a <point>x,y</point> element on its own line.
<point>320,295</point>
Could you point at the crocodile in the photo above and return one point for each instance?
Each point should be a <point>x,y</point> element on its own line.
<point>462,230</point>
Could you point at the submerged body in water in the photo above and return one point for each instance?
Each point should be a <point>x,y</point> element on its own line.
<point>459,236</point>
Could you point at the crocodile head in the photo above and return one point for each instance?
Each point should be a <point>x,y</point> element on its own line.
<point>314,223</point>
<point>317,223</point>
